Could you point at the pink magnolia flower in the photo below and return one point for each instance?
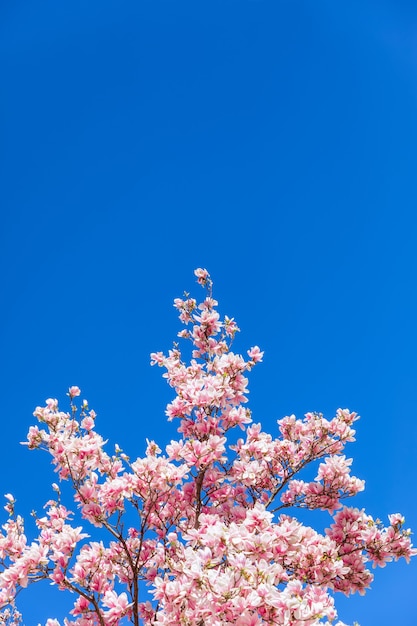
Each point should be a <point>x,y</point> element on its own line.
<point>74,391</point>
<point>202,275</point>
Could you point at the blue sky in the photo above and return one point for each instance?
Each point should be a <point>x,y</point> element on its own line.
<point>272,142</point>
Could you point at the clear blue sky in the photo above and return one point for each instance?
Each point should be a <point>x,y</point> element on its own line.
<point>273,142</point>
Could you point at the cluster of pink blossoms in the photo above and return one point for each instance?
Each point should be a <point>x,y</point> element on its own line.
<point>200,535</point>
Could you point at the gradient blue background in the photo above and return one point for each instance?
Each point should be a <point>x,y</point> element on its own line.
<point>272,142</point>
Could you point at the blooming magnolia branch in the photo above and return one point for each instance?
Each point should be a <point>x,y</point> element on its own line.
<point>199,525</point>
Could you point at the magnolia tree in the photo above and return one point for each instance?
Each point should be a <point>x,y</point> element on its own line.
<point>201,535</point>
